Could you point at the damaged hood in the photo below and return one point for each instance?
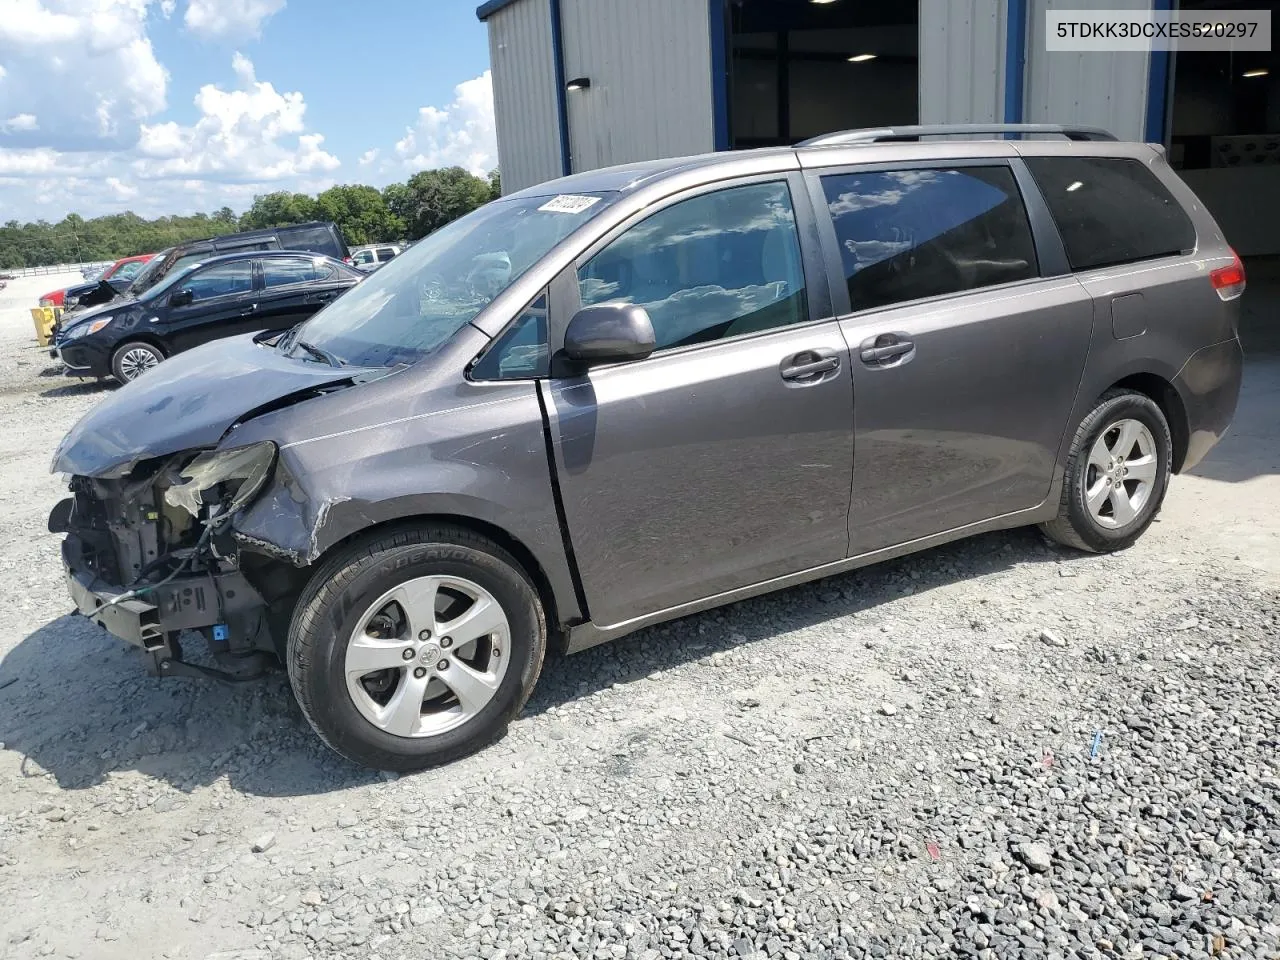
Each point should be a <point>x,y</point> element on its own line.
<point>189,401</point>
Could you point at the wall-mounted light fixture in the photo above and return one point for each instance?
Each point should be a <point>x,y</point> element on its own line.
<point>1261,72</point>
<point>862,57</point>
<point>579,83</point>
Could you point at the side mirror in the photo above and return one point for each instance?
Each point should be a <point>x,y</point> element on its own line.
<point>181,298</point>
<point>609,333</point>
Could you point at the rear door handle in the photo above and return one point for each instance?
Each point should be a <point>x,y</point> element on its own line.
<point>885,349</point>
<point>809,366</point>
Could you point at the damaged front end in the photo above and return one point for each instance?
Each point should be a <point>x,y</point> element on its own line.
<point>150,554</point>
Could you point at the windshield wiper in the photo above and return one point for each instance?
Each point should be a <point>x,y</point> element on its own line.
<point>318,353</point>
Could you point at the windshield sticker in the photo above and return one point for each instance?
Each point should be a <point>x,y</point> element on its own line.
<point>569,203</point>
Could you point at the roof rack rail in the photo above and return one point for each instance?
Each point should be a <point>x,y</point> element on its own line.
<point>911,133</point>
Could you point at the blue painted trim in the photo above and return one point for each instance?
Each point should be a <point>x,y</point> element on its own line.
<point>562,95</point>
<point>719,74</point>
<point>1157,86</point>
<point>1015,59</point>
<point>488,9</point>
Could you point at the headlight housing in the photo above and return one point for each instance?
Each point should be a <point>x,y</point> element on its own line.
<point>84,329</point>
<point>243,471</point>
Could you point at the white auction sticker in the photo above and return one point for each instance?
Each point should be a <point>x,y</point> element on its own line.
<point>569,203</point>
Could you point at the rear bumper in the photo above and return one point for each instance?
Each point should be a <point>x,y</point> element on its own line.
<point>1209,385</point>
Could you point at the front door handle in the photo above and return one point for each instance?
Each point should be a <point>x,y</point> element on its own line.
<point>249,310</point>
<point>809,366</point>
<point>885,349</point>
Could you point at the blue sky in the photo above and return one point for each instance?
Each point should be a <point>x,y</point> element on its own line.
<point>170,106</point>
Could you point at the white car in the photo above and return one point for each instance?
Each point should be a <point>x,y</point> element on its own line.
<point>375,255</point>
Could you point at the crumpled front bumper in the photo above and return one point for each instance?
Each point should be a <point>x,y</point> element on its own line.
<point>217,605</point>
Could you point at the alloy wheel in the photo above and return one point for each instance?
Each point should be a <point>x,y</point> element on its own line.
<point>427,656</point>
<point>1121,472</point>
<point>136,362</point>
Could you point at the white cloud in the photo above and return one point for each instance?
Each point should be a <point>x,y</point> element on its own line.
<point>86,68</point>
<point>23,122</point>
<point>3,71</point>
<point>167,7</point>
<point>369,157</point>
<point>253,133</point>
<point>462,134</point>
<point>246,140</point>
<point>230,19</point>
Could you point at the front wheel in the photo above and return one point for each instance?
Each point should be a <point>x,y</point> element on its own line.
<point>131,360</point>
<point>416,648</point>
<point>1117,474</point>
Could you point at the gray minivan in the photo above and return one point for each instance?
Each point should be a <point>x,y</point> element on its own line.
<point>637,393</point>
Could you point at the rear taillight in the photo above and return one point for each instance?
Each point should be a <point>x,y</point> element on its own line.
<point>1229,280</point>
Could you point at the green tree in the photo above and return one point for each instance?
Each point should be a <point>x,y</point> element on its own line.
<point>433,198</point>
<point>361,212</point>
<point>279,209</point>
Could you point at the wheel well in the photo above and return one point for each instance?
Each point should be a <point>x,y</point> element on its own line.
<point>1166,398</point>
<point>146,338</point>
<point>522,555</point>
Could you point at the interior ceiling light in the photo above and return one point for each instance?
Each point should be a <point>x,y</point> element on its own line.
<point>862,57</point>
<point>821,2</point>
<point>1262,72</point>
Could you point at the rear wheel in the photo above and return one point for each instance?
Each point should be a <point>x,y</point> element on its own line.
<point>416,648</point>
<point>1117,474</point>
<point>134,358</point>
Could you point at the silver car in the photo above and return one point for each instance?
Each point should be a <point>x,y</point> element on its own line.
<point>641,392</point>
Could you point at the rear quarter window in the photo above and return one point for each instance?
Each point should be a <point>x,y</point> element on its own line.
<point>1110,210</point>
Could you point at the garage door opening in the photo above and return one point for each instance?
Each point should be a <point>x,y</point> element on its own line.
<point>1224,135</point>
<point>799,68</point>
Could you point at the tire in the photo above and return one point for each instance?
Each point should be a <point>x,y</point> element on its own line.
<point>1108,525</point>
<point>128,363</point>
<point>337,631</point>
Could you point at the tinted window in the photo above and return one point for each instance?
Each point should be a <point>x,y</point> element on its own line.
<point>221,280</point>
<point>1111,210</point>
<point>714,266</point>
<point>314,239</point>
<point>520,353</point>
<point>279,273</point>
<point>908,234</point>
<point>385,254</point>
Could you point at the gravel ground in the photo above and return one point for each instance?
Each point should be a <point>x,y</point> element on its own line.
<point>993,749</point>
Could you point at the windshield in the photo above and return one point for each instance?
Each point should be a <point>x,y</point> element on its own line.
<point>425,295</point>
<point>153,272</point>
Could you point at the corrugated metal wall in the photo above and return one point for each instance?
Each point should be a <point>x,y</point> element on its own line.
<point>1098,89</point>
<point>650,70</point>
<point>524,94</point>
<point>962,48</point>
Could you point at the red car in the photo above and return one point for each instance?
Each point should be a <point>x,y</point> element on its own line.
<point>120,274</point>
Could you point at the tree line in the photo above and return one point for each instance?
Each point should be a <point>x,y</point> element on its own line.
<point>402,211</point>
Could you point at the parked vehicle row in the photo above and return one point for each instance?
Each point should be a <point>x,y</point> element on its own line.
<point>88,335</point>
<point>118,276</point>
<point>640,392</point>
<point>204,300</point>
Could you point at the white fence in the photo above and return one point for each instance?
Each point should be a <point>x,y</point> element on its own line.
<point>53,268</point>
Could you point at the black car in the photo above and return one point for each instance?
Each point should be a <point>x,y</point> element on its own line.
<point>321,236</point>
<point>206,300</point>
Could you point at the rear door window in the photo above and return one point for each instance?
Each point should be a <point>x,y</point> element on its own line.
<point>910,234</point>
<point>1110,210</point>
<point>280,273</point>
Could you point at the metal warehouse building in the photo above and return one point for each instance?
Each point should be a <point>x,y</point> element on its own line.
<point>580,84</point>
